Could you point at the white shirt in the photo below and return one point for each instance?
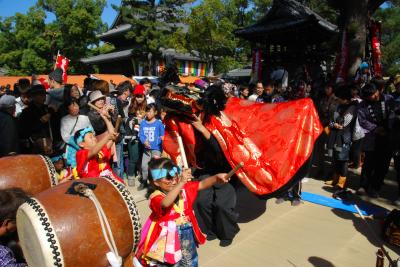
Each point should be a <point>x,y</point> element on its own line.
<point>253,97</point>
<point>67,125</point>
<point>150,99</point>
<point>19,106</point>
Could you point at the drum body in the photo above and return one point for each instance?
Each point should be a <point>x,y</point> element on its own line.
<point>31,173</point>
<point>59,229</point>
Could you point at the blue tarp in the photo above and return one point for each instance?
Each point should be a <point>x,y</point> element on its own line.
<point>366,209</point>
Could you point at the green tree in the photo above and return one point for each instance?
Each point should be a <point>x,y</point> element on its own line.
<point>323,9</point>
<point>28,45</point>
<point>390,18</point>
<point>260,8</point>
<point>353,17</point>
<point>155,25</point>
<point>211,33</point>
<point>75,28</point>
<point>24,48</point>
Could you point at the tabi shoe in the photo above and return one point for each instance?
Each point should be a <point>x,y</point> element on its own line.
<point>334,180</point>
<point>341,194</point>
<point>296,201</point>
<point>341,182</point>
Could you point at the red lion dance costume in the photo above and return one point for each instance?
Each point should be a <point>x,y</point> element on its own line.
<point>272,140</point>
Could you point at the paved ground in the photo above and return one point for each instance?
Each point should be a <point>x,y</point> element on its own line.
<point>306,235</point>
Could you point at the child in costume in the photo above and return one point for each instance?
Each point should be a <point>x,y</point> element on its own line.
<point>63,174</point>
<point>93,159</point>
<point>10,252</point>
<point>171,234</point>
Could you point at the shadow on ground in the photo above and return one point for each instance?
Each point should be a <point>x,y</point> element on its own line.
<point>248,205</point>
<point>319,262</point>
<point>369,228</point>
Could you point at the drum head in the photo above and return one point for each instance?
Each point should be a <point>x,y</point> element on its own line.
<point>63,229</point>
<point>38,241</point>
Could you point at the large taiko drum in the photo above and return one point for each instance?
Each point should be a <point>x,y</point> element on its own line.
<point>32,173</point>
<point>57,228</point>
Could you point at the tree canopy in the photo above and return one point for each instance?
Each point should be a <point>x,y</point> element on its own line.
<point>155,24</point>
<point>390,18</point>
<point>28,44</point>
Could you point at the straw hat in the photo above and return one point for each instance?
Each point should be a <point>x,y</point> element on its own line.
<point>96,95</point>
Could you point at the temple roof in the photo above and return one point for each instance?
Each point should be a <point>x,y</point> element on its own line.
<point>120,29</point>
<point>116,30</point>
<point>113,56</point>
<point>193,56</point>
<point>285,17</point>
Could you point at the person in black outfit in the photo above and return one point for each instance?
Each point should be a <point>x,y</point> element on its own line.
<point>395,135</point>
<point>8,126</point>
<point>340,138</point>
<point>36,123</point>
<point>215,207</point>
<point>373,116</point>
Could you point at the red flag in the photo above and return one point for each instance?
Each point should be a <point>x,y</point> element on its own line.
<point>62,63</point>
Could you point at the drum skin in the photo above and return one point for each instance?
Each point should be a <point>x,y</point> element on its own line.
<point>67,231</point>
<point>31,173</point>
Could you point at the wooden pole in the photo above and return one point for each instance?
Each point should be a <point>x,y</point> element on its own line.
<point>234,170</point>
<point>96,108</point>
<point>182,150</point>
<point>382,248</point>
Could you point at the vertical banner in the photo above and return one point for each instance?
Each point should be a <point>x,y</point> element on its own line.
<point>342,59</point>
<point>376,47</point>
<point>257,64</point>
<point>62,63</point>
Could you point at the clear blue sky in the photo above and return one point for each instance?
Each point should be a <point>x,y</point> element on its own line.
<point>10,7</point>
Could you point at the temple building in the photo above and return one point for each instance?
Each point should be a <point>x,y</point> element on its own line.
<point>123,61</point>
<point>290,36</point>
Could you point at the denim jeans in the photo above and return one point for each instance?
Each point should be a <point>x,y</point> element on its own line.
<point>119,169</point>
<point>134,156</point>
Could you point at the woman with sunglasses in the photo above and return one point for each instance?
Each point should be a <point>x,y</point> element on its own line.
<point>171,234</point>
<point>136,112</point>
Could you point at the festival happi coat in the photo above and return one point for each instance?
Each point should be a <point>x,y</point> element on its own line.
<point>272,140</point>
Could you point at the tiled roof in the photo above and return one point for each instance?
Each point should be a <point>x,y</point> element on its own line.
<point>115,31</point>
<point>108,57</point>
<point>286,15</point>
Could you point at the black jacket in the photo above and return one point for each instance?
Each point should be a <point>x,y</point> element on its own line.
<point>8,134</point>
